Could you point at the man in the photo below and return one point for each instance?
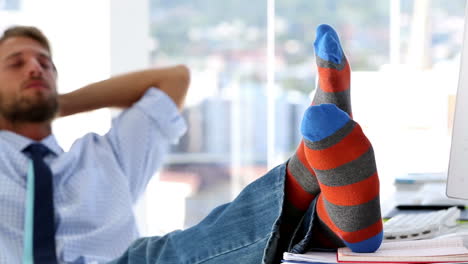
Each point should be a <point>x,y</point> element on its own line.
<point>96,183</point>
<point>326,195</point>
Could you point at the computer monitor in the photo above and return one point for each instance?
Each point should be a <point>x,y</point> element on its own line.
<point>457,179</point>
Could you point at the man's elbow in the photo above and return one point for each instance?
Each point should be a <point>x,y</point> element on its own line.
<point>184,74</point>
<point>177,84</point>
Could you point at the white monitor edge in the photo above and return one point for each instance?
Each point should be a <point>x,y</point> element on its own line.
<point>457,179</point>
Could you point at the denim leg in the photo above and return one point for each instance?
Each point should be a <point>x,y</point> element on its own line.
<point>243,231</point>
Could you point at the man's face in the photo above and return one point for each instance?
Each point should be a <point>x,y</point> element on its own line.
<point>28,91</point>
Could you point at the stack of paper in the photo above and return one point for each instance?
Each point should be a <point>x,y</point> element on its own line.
<point>446,250</point>
<point>310,257</point>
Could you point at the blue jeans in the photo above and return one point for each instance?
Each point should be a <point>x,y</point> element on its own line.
<point>245,230</point>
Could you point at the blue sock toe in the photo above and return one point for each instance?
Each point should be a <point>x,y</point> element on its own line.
<point>327,44</point>
<point>367,246</point>
<point>321,121</point>
<point>324,28</point>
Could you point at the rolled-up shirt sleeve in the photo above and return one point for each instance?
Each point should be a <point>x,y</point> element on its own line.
<point>141,137</point>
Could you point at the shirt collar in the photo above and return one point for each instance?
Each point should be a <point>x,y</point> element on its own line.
<point>20,142</point>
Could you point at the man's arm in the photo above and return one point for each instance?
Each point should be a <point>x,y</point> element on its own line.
<point>124,90</point>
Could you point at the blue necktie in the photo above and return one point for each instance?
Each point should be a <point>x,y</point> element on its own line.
<point>44,227</point>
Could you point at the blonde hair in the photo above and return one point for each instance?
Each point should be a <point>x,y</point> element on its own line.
<point>27,32</point>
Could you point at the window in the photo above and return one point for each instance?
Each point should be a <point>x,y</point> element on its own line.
<point>404,57</point>
<point>9,5</point>
<point>225,148</point>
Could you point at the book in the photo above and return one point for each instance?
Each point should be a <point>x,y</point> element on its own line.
<point>442,250</point>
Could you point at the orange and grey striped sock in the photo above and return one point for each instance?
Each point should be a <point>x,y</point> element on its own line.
<point>333,87</point>
<point>334,72</point>
<point>343,160</point>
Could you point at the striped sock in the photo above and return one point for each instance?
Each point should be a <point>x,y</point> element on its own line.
<point>343,160</point>
<point>301,187</point>
<point>333,87</point>
<point>334,72</point>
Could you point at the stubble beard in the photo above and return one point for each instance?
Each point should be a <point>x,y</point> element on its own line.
<point>34,109</point>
